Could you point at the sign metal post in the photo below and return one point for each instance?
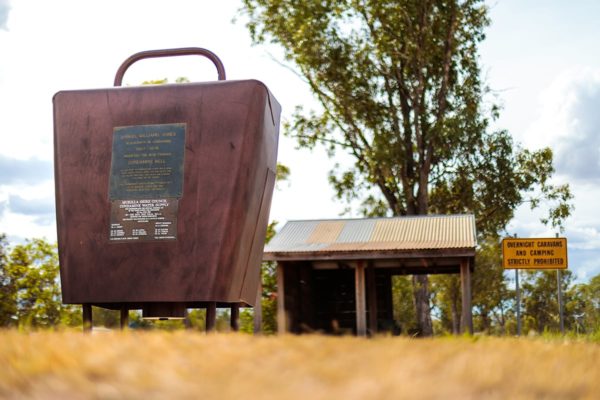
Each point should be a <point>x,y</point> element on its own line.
<point>518,302</point>
<point>561,316</point>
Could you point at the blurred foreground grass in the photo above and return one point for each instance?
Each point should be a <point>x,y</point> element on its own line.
<point>162,365</point>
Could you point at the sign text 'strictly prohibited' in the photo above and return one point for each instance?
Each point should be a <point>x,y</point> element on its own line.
<point>542,253</point>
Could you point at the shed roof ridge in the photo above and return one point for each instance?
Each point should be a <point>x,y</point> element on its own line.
<point>383,218</point>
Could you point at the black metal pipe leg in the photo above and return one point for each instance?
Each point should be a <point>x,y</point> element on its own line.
<point>87,317</point>
<point>124,318</point>
<point>235,317</point>
<point>211,316</point>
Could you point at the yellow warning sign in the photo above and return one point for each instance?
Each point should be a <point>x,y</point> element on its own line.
<point>541,253</point>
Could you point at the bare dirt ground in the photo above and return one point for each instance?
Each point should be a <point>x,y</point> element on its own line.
<point>160,365</point>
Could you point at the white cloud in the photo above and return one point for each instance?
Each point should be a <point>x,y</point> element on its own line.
<point>569,122</point>
<point>19,227</point>
<point>585,263</point>
<point>585,238</point>
<point>42,208</point>
<point>27,210</point>
<point>4,10</point>
<point>32,171</point>
<point>3,207</point>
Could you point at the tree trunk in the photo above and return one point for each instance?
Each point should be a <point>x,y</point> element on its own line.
<point>423,311</point>
<point>502,321</point>
<point>455,317</point>
<point>486,323</point>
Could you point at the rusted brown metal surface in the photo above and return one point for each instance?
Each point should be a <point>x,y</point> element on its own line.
<point>204,241</point>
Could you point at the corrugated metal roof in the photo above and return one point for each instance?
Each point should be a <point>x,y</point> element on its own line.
<point>326,232</point>
<point>376,234</point>
<point>358,231</point>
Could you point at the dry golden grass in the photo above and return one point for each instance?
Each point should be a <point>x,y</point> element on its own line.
<point>159,365</point>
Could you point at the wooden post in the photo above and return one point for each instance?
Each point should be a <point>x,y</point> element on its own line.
<point>372,298</point>
<point>234,321</point>
<point>211,316</point>
<point>518,305</point>
<point>466,321</point>
<point>87,317</point>
<point>281,317</point>
<point>361,309</point>
<point>124,317</point>
<point>258,310</point>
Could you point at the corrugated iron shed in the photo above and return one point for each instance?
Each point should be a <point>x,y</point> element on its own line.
<point>375,237</point>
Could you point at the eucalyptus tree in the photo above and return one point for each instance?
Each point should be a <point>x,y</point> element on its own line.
<point>29,286</point>
<point>399,88</point>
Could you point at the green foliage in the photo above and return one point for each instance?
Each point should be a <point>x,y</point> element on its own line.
<point>102,317</point>
<point>181,79</point>
<point>448,300</point>
<point>492,300</point>
<point>283,172</point>
<point>399,88</point>
<point>247,321</point>
<point>223,321</point>
<point>582,305</point>
<point>398,82</point>
<point>404,311</point>
<point>8,305</point>
<point>197,319</point>
<point>590,295</point>
<point>34,271</point>
<point>268,294</point>
<point>30,288</point>
<point>137,322</point>
<point>156,82</point>
<point>269,298</point>
<point>540,299</point>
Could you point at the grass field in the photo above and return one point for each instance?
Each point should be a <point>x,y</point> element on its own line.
<point>160,365</point>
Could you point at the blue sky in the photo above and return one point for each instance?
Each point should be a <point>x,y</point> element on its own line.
<point>540,58</point>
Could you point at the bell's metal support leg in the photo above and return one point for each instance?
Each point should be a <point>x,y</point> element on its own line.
<point>124,317</point>
<point>235,317</point>
<point>87,317</point>
<point>211,316</point>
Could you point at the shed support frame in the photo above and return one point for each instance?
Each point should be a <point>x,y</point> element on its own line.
<point>466,320</point>
<point>372,298</point>
<point>361,301</point>
<point>281,315</point>
<point>292,318</point>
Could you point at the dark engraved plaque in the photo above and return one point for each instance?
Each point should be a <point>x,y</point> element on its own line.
<point>147,162</point>
<point>146,182</point>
